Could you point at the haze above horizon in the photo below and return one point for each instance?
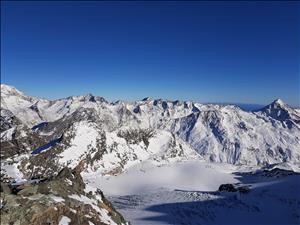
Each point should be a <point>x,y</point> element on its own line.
<point>237,52</point>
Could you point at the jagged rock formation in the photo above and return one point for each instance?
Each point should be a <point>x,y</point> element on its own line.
<point>54,200</point>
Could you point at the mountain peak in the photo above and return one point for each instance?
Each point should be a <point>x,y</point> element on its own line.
<point>275,105</point>
<point>88,98</point>
<point>146,99</point>
<point>278,102</point>
<point>10,90</point>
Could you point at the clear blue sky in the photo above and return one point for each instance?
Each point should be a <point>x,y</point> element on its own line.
<point>246,52</point>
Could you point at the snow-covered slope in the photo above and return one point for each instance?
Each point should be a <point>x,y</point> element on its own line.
<point>229,134</point>
<point>110,137</point>
<point>187,193</point>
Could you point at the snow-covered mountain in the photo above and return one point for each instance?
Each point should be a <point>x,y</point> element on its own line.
<point>110,137</point>
<point>156,144</point>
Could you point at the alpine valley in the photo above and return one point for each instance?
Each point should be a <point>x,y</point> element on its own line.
<point>84,160</point>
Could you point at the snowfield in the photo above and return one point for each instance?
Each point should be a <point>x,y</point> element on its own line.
<point>186,193</point>
<point>147,176</point>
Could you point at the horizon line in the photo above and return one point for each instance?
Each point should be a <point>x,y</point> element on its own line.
<point>239,104</point>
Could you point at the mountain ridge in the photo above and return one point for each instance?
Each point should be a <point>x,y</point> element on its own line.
<point>145,99</point>
<point>181,130</point>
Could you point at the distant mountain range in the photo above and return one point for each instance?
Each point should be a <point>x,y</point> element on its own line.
<point>110,137</point>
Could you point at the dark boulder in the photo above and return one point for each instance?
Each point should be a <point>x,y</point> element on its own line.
<point>234,188</point>
<point>227,188</point>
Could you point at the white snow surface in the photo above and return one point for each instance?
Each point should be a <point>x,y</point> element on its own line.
<point>103,213</point>
<point>186,193</point>
<point>7,135</point>
<point>85,138</point>
<point>57,198</point>
<point>147,176</point>
<point>11,170</point>
<point>64,220</point>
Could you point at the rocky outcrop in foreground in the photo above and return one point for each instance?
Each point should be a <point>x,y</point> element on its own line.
<point>63,199</point>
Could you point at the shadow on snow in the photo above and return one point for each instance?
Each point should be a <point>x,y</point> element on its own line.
<point>273,201</point>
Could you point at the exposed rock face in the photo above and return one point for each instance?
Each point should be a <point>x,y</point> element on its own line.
<point>7,120</point>
<point>23,140</point>
<point>269,172</point>
<point>234,188</point>
<point>137,136</point>
<point>50,201</point>
<point>278,110</point>
<point>227,187</point>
